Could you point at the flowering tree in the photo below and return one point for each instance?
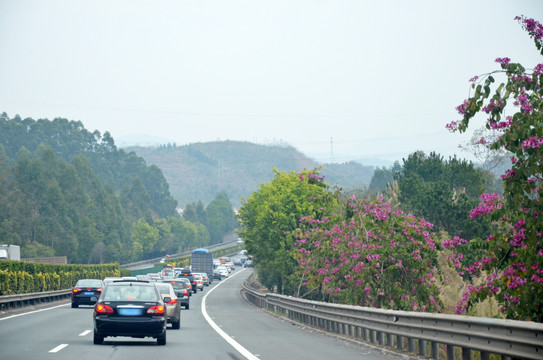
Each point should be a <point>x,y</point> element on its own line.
<point>376,256</point>
<point>514,262</point>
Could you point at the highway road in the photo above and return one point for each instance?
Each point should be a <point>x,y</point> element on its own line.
<point>219,325</point>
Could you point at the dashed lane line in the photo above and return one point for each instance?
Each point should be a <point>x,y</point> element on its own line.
<point>58,348</point>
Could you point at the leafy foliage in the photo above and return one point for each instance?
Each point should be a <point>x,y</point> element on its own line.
<point>270,214</point>
<point>443,192</point>
<point>514,259</point>
<point>375,257</point>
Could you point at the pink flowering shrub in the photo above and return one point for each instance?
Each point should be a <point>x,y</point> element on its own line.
<point>375,256</point>
<point>514,258</point>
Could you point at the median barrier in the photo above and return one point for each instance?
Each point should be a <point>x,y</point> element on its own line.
<point>8,302</point>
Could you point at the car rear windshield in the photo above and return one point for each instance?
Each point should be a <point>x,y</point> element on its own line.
<point>89,283</point>
<point>177,284</point>
<point>129,292</point>
<point>163,288</point>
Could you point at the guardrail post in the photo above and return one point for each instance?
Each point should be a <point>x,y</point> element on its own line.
<point>373,335</point>
<point>359,332</point>
<point>390,340</point>
<point>411,345</point>
<point>422,347</point>
<point>435,350</point>
<point>466,354</point>
<point>485,355</point>
<point>450,352</point>
<point>366,335</point>
<point>381,338</point>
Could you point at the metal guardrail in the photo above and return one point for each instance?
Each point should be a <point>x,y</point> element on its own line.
<point>415,332</point>
<point>15,301</point>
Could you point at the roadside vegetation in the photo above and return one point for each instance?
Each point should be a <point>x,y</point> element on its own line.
<point>431,234</point>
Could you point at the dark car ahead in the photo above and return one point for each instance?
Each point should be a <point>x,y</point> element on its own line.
<point>130,308</point>
<point>187,274</point>
<point>187,282</point>
<point>86,292</point>
<point>181,291</point>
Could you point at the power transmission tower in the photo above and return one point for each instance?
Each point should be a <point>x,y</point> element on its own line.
<point>331,150</point>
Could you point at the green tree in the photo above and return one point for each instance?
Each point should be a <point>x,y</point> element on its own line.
<point>269,216</point>
<point>146,236</point>
<point>35,249</point>
<point>220,218</point>
<point>443,192</point>
<point>514,259</point>
<point>382,178</point>
<point>136,201</point>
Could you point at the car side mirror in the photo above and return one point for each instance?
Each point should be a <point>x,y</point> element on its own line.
<point>167,299</point>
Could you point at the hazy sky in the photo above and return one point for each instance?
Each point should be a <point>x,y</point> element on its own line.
<point>380,78</point>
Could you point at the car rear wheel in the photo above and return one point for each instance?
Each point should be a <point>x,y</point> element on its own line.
<point>187,306</point>
<point>98,339</point>
<point>161,340</point>
<point>74,305</point>
<point>176,325</point>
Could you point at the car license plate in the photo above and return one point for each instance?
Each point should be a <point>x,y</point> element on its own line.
<point>89,293</point>
<point>129,312</point>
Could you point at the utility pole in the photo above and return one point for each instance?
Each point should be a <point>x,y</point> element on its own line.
<point>331,150</point>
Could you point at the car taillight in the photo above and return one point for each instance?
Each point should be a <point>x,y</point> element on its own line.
<point>156,310</point>
<point>76,290</point>
<point>98,290</point>
<point>173,301</point>
<point>104,309</point>
<point>186,292</point>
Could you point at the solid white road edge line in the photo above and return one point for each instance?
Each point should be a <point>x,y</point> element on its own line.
<point>33,312</point>
<point>85,333</point>
<point>243,351</point>
<point>58,348</point>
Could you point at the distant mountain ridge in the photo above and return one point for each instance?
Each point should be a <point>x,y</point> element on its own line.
<point>199,171</point>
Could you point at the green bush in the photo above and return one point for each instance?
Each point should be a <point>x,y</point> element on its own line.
<point>20,277</point>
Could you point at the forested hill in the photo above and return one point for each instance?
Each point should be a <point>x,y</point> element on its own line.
<point>65,191</point>
<point>122,171</point>
<point>199,171</point>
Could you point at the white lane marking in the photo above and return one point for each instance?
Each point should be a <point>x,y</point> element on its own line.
<point>85,333</point>
<point>33,312</point>
<point>243,351</point>
<point>58,348</point>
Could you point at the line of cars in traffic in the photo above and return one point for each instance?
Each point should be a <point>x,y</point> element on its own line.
<point>139,306</point>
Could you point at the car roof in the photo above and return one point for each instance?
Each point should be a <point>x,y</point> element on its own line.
<point>131,282</point>
<point>163,284</point>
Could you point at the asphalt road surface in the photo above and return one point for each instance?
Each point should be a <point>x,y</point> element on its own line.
<point>219,325</point>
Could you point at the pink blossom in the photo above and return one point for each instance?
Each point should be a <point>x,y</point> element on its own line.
<point>503,61</point>
<point>532,143</point>
<point>463,108</point>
